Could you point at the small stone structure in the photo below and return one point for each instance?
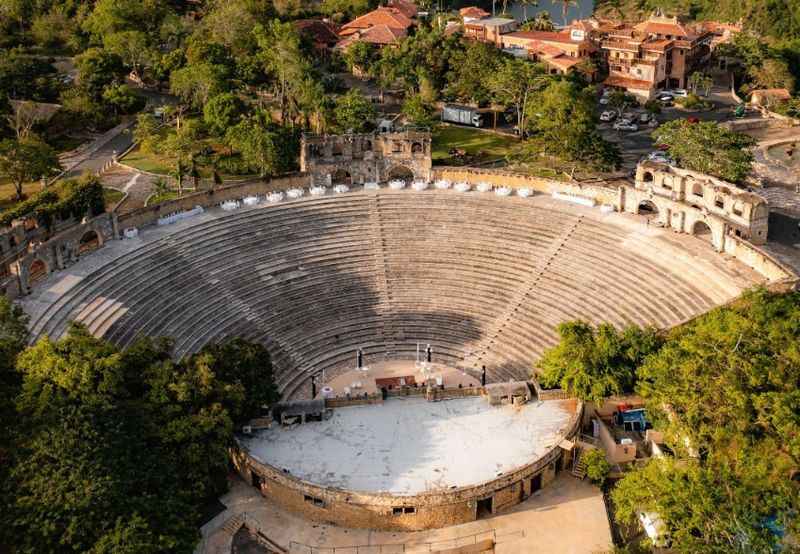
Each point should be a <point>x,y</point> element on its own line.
<point>438,506</point>
<point>513,392</point>
<point>697,204</point>
<point>368,157</point>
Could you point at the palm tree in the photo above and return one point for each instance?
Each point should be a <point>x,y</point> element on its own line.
<point>525,4</point>
<point>565,4</point>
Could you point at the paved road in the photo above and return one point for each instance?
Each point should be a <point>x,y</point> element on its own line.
<point>99,154</point>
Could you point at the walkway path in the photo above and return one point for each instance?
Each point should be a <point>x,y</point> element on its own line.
<point>568,517</point>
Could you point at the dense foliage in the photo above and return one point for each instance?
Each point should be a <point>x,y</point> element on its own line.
<point>708,148</point>
<point>593,363</point>
<point>77,199</point>
<point>127,446</point>
<point>723,388</point>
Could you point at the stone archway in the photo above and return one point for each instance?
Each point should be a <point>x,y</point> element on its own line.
<point>89,241</point>
<point>647,208</point>
<point>400,172</point>
<point>36,272</point>
<point>701,230</point>
<point>341,177</point>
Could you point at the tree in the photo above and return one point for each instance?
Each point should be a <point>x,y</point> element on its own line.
<point>542,22</point>
<point>525,4</point>
<point>562,122</point>
<point>123,99</point>
<point>722,389</point>
<point>196,83</point>
<point>700,81</point>
<point>264,147</point>
<point>354,113</point>
<point>54,28</point>
<point>621,100</point>
<point>597,467</point>
<point>772,73</point>
<point>97,69</point>
<point>221,112</point>
<point>514,84</point>
<point>470,72</point>
<point>708,148</point>
<point>128,445</point>
<point>285,63</point>
<point>418,111</point>
<point>565,5</point>
<point>146,133</point>
<point>22,161</point>
<point>595,363</point>
<point>132,47</point>
<point>359,57</point>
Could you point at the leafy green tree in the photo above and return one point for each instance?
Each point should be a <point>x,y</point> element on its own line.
<point>514,84</point>
<point>54,28</point>
<point>595,363</point>
<point>359,57</point>
<point>265,148</point>
<point>708,148</point>
<point>562,122</point>
<point>222,111</point>
<point>132,47</point>
<point>418,111</point>
<point>123,99</point>
<point>542,22</point>
<point>97,69</point>
<point>597,467</point>
<point>621,101</point>
<point>286,65</point>
<point>146,133</point>
<point>471,71</point>
<point>22,161</point>
<point>111,16</point>
<point>196,83</point>
<point>723,391</point>
<point>128,446</point>
<point>343,10</point>
<point>354,113</point>
<point>700,81</point>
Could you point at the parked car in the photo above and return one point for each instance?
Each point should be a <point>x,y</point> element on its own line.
<point>608,115</point>
<point>605,97</point>
<point>646,117</point>
<point>660,157</point>
<point>625,125</point>
<point>678,92</point>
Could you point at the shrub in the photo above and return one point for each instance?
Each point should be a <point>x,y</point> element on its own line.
<point>597,467</point>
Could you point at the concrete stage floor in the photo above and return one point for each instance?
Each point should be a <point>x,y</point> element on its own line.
<point>408,446</point>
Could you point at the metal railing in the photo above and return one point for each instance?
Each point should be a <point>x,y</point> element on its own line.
<point>409,547</point>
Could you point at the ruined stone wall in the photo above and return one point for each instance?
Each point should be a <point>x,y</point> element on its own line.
<point>208,198</point>
<point>58,252</point>
<point>367,157</point>
<point>599,192</point>
<point>400,513</point>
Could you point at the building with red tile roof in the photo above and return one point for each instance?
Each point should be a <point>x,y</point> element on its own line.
<point>392,18</point>
<point>322,33</point>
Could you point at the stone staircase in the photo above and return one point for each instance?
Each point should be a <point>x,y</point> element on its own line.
<point>579,466</point>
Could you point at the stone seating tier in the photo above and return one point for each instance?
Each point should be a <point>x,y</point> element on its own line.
<point>484,279</point>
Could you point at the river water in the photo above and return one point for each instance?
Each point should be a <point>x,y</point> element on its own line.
<point>583,9</point>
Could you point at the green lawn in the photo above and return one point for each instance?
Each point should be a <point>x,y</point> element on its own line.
<point>8,193</point>
<point>112,196</point>
<point>479,145</point>
<point>151,163</point>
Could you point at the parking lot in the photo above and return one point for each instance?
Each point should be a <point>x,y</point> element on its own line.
<point>636,144</point>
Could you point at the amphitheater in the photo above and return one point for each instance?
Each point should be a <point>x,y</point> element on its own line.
<point>484,279</point>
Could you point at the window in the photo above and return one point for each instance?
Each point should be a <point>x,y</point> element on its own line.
<point>400,510</point>
<point>737,209</point>
<point>397,146</point>
<point>318,502</point>
<point>719,202</point>
<point>697,190</point>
